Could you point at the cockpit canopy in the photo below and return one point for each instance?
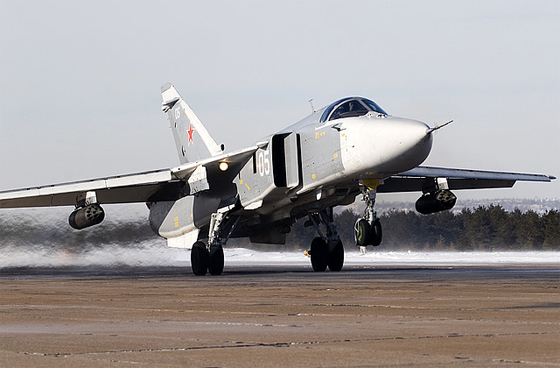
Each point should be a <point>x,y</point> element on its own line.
<point>350,107</point>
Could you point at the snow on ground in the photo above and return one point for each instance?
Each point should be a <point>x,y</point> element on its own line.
<point>149,255</point>
<point>410,258</point>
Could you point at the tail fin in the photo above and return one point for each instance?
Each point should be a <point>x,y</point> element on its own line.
<point>191,137</point>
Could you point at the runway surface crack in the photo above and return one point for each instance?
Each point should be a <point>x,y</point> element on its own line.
<point>284,344</point>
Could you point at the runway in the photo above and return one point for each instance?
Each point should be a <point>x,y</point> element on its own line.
<point>270,316</point>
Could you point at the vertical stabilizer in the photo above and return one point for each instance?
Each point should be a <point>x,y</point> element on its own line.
<point>191,137</point>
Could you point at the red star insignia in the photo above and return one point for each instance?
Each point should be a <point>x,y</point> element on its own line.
<point>190,131</point>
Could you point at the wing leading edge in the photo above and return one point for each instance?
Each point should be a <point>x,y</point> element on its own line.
<point>418,178</point>
<point>133,188</point>
<point>140,187</point>
<point>115,189</point>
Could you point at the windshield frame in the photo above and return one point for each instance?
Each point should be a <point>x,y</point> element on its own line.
<point>367,103</point>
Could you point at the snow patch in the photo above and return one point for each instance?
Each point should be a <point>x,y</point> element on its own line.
<point>148,255</point>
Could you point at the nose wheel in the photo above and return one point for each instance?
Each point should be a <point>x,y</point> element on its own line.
<point>367,230</point>
<point>368,234</point>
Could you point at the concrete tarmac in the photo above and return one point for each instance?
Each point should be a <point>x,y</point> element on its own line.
<point>280,317</point>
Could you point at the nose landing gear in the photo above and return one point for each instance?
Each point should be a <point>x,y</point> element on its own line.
<point>367,230</point>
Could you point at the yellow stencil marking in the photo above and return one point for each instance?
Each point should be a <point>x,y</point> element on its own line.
<point>322,134</point>
<point>316,135</point>
<point>176,221</point>
<point>313,176</point>
<point>335,155</point>
<point>247,186</point>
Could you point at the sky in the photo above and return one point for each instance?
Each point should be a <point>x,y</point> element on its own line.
<point>80,80</point>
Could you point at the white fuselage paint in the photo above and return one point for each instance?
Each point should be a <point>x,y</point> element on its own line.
<point>377,147</point>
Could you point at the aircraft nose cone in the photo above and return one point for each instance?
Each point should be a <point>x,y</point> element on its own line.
<point>413,144</point>
<point>388,146</point>
<point>413,133</point>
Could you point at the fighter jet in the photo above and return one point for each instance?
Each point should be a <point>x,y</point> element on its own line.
<point>348,149</point>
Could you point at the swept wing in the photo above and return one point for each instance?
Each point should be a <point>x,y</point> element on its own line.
<point>417,179</point>
<point>138,187</point>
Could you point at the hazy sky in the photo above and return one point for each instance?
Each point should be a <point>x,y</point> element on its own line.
<point>80,80</point>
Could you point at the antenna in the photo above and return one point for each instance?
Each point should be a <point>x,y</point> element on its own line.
<point>311,103</point>
<point>438,127</point>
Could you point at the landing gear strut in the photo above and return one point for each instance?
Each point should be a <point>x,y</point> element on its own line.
<point>326,250</point>
<point>367,230</point>
<point>210,258</point>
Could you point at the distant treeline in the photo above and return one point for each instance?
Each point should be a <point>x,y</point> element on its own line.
<point>482,228</point>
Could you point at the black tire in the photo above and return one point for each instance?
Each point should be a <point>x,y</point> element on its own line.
<point>200,259</point>
<point>336,257</point>
<point>362,233</point>
<point>377,233</point>
<point>216,264</point>
<point>319,254</point>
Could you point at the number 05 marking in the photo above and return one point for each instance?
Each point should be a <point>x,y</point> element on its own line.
<point>263,163</point>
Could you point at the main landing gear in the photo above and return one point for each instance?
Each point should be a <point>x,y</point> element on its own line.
<point>367,230</point>
<point>326,250</point>
<point>210,258</point>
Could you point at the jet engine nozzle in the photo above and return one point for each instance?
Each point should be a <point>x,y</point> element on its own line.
<point>433,202</point>
<point>86,216</point>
